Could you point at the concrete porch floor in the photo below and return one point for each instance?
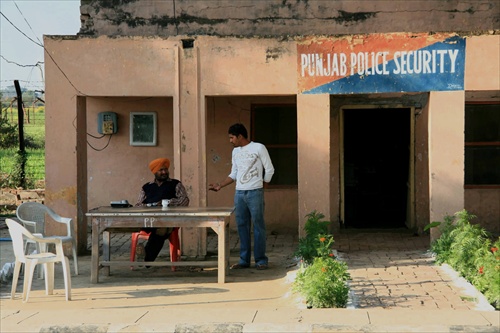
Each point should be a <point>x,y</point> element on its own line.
<point>395,287</point>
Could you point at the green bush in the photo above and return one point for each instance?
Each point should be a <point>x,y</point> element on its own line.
<point>324,283</point>
<point>309,244</point>
<point>487,278</point>
<point>468,239</point>
<point>321,279</point>
<point>470,250</point>
<point>442,246</point>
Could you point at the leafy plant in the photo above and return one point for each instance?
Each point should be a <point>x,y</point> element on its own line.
<point>487,278</point>
<point>321,279</point>
<point>468,239</point>
<point>469,249</point>
<point>324,283</point>
<point>443,244</point>
<point>309,244</point>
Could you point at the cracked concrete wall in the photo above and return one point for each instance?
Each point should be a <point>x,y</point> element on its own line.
<point>284,18</point>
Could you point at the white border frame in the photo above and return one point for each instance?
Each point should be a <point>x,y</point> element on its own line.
<point>143,143</point>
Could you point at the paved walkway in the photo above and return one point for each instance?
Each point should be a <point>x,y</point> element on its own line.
<point>396,270</point>
<point>395,287</point>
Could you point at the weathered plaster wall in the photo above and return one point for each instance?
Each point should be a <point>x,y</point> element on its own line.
<point>282,18</point>
<point>60,143</point>
<point>127,66</point>
<point>482,83</point>
<point>281,204</point>
<point>78,71</point>
<point>313,150</point>
<point>482,67</point>
<point>446,154</point>
<point>485,205</point>
<point>124,74</point>
<point>97,68</point>
<point>233,66</point>
<point>117,170</point>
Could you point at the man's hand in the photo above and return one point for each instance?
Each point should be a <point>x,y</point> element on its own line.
<point>214,187</point>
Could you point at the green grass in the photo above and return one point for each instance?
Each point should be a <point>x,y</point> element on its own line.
<point>35,128</point>
<point>35,166</point>
<point>34,132</point>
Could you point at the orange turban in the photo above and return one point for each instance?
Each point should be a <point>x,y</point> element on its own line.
<point>157,164</point>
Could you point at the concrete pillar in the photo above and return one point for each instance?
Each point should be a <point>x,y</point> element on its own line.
<point>189,147</point>
<point>61,157</point>
<point>313,146</point>
<point>446,155</point>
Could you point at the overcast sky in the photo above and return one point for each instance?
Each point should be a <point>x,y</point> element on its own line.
<point>35,18</point>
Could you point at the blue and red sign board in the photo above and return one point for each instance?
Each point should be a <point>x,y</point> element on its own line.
<point>380,63</point>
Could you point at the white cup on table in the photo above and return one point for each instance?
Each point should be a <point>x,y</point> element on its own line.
<point>165,202</point>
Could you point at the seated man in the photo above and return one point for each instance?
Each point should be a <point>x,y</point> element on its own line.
<point>152,193</point>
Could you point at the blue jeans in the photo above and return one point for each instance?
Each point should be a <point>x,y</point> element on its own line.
<point>249,207</point>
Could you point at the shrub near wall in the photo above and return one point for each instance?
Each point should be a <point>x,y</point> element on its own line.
<point>322,278</point>
<point>472,251</point>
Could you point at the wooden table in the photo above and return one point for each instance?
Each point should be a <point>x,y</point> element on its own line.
<point>103,219</point>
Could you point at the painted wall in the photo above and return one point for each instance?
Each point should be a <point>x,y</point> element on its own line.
<point>198,93</point>
<point>482,83</point>
<point>281,204</point>
<point>106,170</point>
<point>313,127</point>
<point>116,170</point>
<point>481,67</point>
<point>95,68</point>
<point>234,66</point>
<point>446,155</point>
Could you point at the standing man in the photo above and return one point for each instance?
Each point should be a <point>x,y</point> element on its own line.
<point>251,167</point>
<point>151,194</point>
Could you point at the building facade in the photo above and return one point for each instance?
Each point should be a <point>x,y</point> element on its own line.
<point>378,114</point>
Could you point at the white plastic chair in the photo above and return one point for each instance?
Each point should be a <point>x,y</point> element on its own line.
<point>32,216</point>
<point>48,259</point>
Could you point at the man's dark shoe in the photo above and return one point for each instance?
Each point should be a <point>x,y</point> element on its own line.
<point>239,266</point>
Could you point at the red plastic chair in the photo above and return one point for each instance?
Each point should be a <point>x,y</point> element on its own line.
<point>175,244</point>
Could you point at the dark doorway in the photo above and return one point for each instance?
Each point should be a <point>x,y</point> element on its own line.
<point>376,167</point>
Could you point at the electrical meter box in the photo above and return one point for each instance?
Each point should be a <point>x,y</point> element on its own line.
<point>107,123</point>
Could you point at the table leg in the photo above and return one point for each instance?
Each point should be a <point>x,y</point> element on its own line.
<point>94,267</point>
<point>221,260</point>
<point>106,255</point>
<point>226,228</point>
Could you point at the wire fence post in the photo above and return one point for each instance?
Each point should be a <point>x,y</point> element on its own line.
<point>20,122</point>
